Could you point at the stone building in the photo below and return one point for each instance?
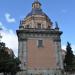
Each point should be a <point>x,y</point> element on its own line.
<point>39,44</point>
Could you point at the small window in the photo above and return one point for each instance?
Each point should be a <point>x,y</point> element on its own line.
<point>39,26</point>
<point>40,43</point>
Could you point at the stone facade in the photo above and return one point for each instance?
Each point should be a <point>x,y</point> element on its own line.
<point>39,47</point>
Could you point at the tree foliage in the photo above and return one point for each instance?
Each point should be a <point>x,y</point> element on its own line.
<point>8,63</point>
<point>69,59</point>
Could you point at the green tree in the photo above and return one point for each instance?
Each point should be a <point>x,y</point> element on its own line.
<point>13,66</point>
<point>4,56</point>
<point>8,63</point>
<point>69,58</point>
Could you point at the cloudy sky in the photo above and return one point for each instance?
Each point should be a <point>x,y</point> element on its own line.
<point>12,11</point>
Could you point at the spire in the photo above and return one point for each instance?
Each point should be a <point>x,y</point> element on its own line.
<point>36,4</point>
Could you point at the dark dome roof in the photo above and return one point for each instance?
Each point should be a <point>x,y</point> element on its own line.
<point>37,11</point>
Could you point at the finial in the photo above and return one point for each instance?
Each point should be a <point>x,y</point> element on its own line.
<point>20,22</point>
<point>36,4</point>
<point>21,25</point>
<point>56,26</point>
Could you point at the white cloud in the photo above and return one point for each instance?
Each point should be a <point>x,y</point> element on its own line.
<point>9,18</point>
<point>64,47</point>
<point>10,39</point>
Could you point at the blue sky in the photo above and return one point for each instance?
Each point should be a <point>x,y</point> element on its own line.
<point>62,11</point>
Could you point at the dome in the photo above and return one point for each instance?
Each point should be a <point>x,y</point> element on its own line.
<point>36,18</point>
<point>36,10</point>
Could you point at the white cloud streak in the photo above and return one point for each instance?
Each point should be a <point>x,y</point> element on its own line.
<point>9,18</point>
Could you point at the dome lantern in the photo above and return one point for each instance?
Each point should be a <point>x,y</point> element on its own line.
<point>36,4</point>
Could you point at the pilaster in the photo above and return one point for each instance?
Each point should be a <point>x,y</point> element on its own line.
<point>57,42</point>
<point>22,50</point>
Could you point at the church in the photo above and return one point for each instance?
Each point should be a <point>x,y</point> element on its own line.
<point>39,44</point>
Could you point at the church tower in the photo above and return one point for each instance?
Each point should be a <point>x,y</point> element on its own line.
<point>39,44</point>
